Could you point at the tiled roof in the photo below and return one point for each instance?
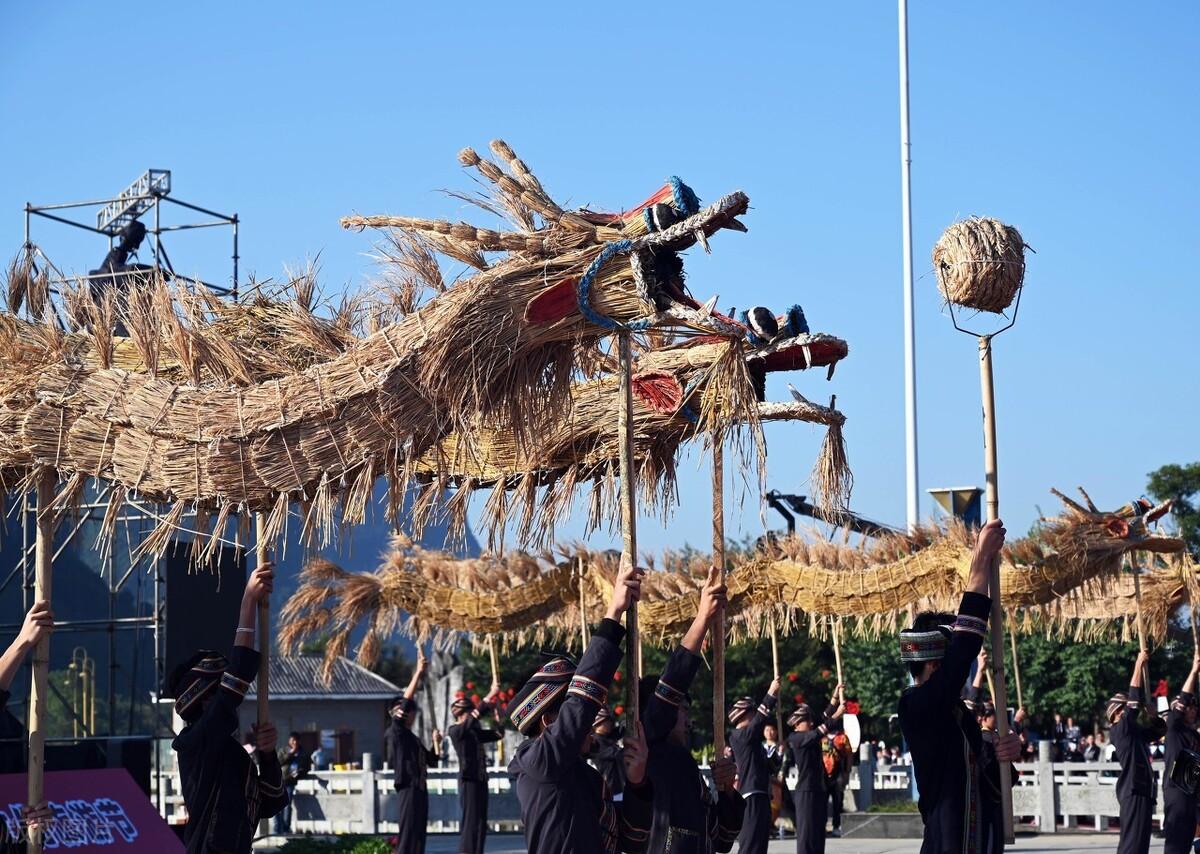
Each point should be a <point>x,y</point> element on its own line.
<point>299,676</point>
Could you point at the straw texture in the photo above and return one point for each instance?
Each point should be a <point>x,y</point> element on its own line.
<point>980,264</point>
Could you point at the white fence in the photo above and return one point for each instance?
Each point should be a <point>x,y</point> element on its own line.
<point>1049,796</point>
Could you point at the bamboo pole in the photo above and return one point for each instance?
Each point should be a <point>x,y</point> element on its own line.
<point>633,644</point>
<point>1012,639</point>
<point>1195,634</point>
<point>836,630</point>
<point>778,702</point>
<point>495,660</point>
<point>995,624</point>
<point>42,591</point>
<point>718,624</point>
<point>264,622</point>
<point>583,624</point>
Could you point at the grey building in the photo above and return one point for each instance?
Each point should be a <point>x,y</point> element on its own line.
<point>348,716</point>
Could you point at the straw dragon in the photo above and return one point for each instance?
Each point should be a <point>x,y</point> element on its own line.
<point>1067,575</point>
<point>266,405</point>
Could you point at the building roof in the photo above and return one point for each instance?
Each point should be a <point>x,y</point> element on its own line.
<point>299,678</point>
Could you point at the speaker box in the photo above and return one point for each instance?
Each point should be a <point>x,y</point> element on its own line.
<point>132,753</point>
<point>202,605</point>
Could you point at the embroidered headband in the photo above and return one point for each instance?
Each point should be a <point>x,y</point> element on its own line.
<point>546,689</point>
<point>203,678</point>
<point>803,713</point>
<point>740,709</point>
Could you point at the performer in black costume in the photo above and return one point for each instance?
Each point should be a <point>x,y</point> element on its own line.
<point>991,806</point>
<point>811,796</point>
<point>942,734</point>
<point>606,752</point>
<point>410,761</point>
<point>687,818</point>
<point>1179,808</point>
<point>565,804</point>
<point>468,738</point>
<point>753,768</point>
<point>1135,783</point>
<point>225,794</point>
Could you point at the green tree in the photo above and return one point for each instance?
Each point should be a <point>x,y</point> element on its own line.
<point>1181,483</point>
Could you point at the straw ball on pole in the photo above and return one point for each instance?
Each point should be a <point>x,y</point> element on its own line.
<point>980,264</point>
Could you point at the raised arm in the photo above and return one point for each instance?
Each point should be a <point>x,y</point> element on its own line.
<point>422,665</point>
<point>764,714</point>
<point>1139,670</point>
<point>945,685</point>
<point>39,623</point>
<point>659,715</point>
<point>1189,686</point>
<point>559,746</point>
<point>258,588</point>
<point>712,598</point>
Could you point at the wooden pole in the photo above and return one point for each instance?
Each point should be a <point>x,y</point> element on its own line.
<point>264,621</point>
<point>775,674</point>
<point>1012,639</point>
<point>42,591</point>
<point>1195,634</point>
<point>583,623</point>
<point>996,624</point>
<point>1137,598</point>
<point>633,656</point>
<point>495,659</point>
<point>836,630</point>
<point>718,624</point>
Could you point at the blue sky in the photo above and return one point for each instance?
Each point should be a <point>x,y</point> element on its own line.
<point>1076,122</point>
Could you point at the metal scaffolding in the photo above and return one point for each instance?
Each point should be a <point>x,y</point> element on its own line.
<point>147,195</point>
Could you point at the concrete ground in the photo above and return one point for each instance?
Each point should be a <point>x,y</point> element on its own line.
<point>1033,844</point>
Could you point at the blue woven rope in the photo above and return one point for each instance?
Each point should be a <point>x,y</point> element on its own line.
<point>648,219</point>
<point>686,201</point>
<point>583,291</point>
<point>686,409</point>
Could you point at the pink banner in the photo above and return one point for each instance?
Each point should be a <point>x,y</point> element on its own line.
<point>97,810</point>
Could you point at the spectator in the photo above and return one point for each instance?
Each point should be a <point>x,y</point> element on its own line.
<point>1073,732</point>
<point>296,767</point>
<point>1091,750</point>
<point>320,760</point>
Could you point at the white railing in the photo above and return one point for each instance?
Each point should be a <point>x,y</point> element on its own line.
<point>1080,796</point>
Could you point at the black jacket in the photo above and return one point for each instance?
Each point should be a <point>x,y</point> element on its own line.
<point>468,739</point>
<point>225,794</point>
<point>1180,736</point>
<point>565,805</point>
<point>804,750</point>
<point>608,757</point>
<point>410,759</point>
<point>943,736</point>
<point>684,805</point>
<point>753,767</point>
<point>1132,743</point>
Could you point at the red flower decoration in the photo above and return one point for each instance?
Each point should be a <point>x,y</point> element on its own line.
<point>470,686</point>
<point>458,695</point>
<point>475,699</point>
<point>792,677</point>
<point>512,692</point>
<point>799,698</point>
<point>852,707</point>
<point>619,710</point>
<point>617,676</point>
<point>824,674</point>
